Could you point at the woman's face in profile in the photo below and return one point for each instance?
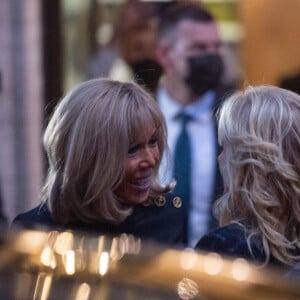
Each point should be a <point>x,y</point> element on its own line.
<point>143,157</point>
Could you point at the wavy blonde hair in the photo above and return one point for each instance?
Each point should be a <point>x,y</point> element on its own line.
<point>87,142</point>
<point>261,130</point>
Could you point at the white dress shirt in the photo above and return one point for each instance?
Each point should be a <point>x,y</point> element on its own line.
<point>202,133</point>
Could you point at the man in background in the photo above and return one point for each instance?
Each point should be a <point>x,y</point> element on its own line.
<point>189,50</point>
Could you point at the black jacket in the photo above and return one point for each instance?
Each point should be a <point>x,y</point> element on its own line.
<point>231,241</point>
<point>162,220</point>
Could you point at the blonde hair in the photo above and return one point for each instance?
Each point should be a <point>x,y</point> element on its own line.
<point>261,130</point>
<point>87,142</point>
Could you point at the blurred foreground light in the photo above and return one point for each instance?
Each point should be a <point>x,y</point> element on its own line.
<point>69,261</point>
<point>30,241</point>
<point>132,245</point>
<point>240,269</point>
<point>188,259</point>
<point>103,263</point>
<point>117,250</point>
<point>83,292</point>
<point>47,258</point>
<point>64,242</point>
<point>187,289</point>
<point>42,287</point>
<point>213,263</point>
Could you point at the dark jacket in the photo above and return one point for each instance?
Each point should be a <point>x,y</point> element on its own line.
<point>162,220</point>
<point>231,240</point>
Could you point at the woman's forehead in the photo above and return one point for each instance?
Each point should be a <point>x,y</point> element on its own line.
<point>145,130</point>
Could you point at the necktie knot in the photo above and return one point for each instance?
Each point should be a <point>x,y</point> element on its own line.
<point>184,117</point>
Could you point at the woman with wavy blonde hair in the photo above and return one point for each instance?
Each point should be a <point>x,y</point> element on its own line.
<point>259,130</point>
<point>104,144</point>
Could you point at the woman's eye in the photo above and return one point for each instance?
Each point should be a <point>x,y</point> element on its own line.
<point>153,141</point>
<point>133,150</point>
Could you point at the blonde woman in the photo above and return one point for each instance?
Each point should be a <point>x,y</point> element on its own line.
<point>259,130</point>
<point>104,144</point>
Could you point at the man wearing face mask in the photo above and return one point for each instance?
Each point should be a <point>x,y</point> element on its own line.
<point>189,51</point>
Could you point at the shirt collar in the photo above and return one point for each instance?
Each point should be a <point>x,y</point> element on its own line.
<point>201,107</point>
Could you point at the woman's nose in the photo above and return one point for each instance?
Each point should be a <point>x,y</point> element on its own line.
<point>149,158</point>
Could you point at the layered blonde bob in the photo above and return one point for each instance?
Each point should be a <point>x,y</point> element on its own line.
<point>87,142</point>
<point>260,128</point>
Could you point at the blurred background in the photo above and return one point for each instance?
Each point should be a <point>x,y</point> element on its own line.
<point>48,46</point>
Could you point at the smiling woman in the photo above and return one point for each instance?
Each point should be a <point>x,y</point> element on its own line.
<point>104,144</point>
<point>142,159</point>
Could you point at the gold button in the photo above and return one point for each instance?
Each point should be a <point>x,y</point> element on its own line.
<point>177,202</point>
<point>160,201</point>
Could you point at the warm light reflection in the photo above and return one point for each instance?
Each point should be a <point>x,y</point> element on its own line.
<point>103,263</point>
<point>42,287</point>
<point>187,289</point>
<point>240,269</point>
<point>117,249</point>
<point>47,258</point>
<point>89,268</point>
<point>83,292</point>
<point>30,241</point>
<point>101,243</point>
<point>132,245</point>
<point>69,261</point>
<point>137,246</point>
<point>64,242</point>
<point>213,263</point>
<point>188,259</point>
<point>51,239</point>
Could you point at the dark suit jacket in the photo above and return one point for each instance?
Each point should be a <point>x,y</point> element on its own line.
<point>159,221</point>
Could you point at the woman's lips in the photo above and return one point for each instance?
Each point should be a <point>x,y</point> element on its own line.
<point>142,184</point>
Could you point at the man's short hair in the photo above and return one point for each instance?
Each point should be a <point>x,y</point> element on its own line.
<point>183,10</point>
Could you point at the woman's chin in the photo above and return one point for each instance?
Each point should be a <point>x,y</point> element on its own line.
<point>138,198</point>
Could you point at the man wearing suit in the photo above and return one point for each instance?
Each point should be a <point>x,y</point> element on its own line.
<point>189,51</point>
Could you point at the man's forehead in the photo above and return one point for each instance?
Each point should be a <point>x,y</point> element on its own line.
<point>201,30</point>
